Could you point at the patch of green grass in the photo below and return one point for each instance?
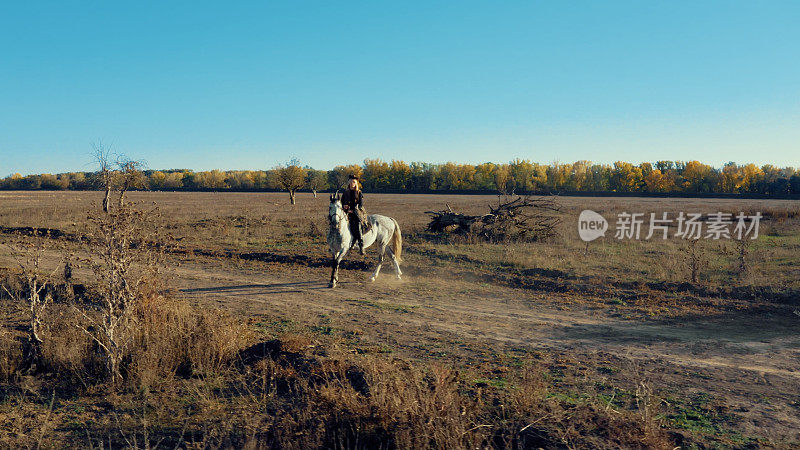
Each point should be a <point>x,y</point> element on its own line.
<point>693,419</point>
<point>278,326</point>
<point>607,370</point>
<point>699,375</point>
<point>322,329</point>
<point>614,399</point>
<point>498,383</point>
<point>75,425</point>
<point>570,397</point>
<point>698,416</point>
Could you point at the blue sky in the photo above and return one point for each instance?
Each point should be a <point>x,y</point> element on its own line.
<point>239,85</point>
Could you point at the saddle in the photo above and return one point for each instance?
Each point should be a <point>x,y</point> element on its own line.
<point>361,215</point>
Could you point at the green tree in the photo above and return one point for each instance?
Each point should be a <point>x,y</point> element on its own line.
<point>290,177</point>
<point>399,175</point>
<point>376,174</point>
<point>317,180</point>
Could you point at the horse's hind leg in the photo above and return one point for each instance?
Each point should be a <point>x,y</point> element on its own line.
<point>381,252</point>
<point>394,263</point>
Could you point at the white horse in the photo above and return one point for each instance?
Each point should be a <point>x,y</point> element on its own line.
<point>384,231</point>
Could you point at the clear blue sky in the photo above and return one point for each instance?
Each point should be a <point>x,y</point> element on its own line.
<point>231,85</point>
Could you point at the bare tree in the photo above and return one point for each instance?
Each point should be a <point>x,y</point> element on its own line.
<point>123,175</point>
<point>290,177</point>
<point>129,176</point>
<point>105,172</point>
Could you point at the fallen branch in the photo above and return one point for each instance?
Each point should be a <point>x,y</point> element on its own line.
<point>521,219</point>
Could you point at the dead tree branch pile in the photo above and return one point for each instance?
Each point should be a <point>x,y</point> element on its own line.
<point>521,219</point>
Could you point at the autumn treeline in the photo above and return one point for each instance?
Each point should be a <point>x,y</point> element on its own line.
<point>517,176</point>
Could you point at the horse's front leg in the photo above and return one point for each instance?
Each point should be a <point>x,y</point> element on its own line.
<point>334,272</point>
<point>337,259</point>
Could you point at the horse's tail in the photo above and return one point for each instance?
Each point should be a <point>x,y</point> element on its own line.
<point>397,242</point>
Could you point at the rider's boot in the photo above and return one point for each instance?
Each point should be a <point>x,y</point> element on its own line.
<point>360,240</point>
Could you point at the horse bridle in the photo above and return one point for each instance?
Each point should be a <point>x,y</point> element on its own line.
<point>331,221</point>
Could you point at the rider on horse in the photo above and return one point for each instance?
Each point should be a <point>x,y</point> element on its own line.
<point>353,204</point>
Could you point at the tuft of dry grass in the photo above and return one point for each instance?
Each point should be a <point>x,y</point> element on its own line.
<point>174,338</point>
<point>11,359</point>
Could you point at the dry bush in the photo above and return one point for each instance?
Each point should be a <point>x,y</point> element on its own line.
<point>33,290</point>
<point>68,351</point>
<point>373,402</point>
<point>174,338</point>
<point>334,403</point>
<point>125,252</point>
<point>741,265</point>
<point>11,360</point>
<point>408,408</point>
<point>141,335</point>
<point>169,338</point>
<point>695,259</point>
<point>315,230</point>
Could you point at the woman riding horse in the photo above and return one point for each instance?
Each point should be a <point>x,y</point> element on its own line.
<point>344,215</point>
<point>353,204</point>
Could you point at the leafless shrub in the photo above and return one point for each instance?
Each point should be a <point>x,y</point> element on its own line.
<point>695,259</point>
<point>742,246</point>
<point>11,360</point>
<point>36,293</point>
<point>124,255</point>
<point>315,230</point>
<point>646,404</point>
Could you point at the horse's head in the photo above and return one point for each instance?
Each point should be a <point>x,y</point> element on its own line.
<point>335,211</point>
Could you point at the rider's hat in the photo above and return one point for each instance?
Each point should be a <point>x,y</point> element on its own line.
<point>353,176</point>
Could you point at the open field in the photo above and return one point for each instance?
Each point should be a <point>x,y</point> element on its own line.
<point>601,321</point>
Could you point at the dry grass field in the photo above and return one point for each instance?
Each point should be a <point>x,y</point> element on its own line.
<point>605,345</point>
